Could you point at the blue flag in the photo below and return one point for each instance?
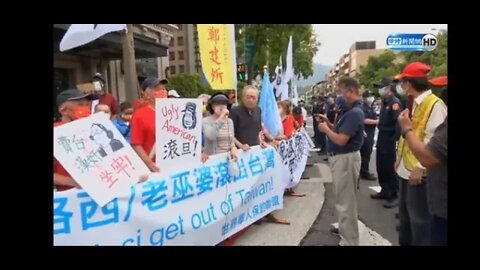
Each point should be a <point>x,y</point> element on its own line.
<point>268,104</point>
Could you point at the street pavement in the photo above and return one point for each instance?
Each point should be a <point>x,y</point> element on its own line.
<point>313,216</point>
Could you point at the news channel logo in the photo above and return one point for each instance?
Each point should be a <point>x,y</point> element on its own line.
<point>412,42</point>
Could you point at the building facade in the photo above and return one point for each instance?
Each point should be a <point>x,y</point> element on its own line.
<point>104,55</point>
<point>183,50</point>
<point>349,64</point>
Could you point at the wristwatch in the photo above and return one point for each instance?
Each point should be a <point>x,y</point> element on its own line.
<point>406,131</point>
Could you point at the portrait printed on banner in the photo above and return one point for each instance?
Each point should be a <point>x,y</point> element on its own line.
<point>189,119</point>
<point>104,139</point>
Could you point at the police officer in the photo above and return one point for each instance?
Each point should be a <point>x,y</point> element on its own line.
<point>331,109</point>
<point>387,137</point>
<point>320,139</point>
<point>370,125</point>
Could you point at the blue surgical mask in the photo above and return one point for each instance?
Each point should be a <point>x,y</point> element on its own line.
<point>383,92</point>
<point>400,91</point>
<point>369,100</point>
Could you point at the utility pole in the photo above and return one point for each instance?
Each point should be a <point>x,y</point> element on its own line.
<point>129,65</point>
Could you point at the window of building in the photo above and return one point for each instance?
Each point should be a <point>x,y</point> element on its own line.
<point>172,42</point>
<point>180,41</point>
<point>172,56</point>
<point>181,56</point>
<point>173,70</point>
<point>181,69</point>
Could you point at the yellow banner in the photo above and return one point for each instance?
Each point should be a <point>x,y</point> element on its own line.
<point>217,52</point>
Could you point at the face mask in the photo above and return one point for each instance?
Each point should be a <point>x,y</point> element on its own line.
<point>81,112</point>
<point>400,91</point>
<point>219,108</point>
<point>383,92</point>
<point>98,85</point>
<point>369,100</point>
<point>160,94</point>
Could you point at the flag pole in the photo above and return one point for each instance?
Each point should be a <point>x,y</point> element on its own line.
<point>129,66</point>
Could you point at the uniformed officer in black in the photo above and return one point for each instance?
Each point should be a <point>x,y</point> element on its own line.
<point>331,109</point>
<point>371,122</point>
<point>387,136</point>
<point>319,138</point>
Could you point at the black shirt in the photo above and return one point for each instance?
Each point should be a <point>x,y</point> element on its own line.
<point>247,124</point>
<point>350,121</point>
<point>369,114</point>
<point>320,108</point>
<point>388,114</point>
<point>331,112</point>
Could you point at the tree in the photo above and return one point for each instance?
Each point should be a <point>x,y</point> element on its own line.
<point>191,86</point>
<point>383,65</point>
<point>437,58</point>
<point>271,41</point>
<point>188,85</point>
<point>377,68</point>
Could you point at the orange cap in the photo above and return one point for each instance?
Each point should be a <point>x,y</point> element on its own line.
<point>439,81</point>
<point>415,70</point>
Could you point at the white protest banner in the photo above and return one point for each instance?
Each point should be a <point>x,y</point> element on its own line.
<point>311,144</point>
<point>294,153</point>
<point>97,156</point>
<point>178,133</point>
<point>201,205</point>
<point>81,34</point>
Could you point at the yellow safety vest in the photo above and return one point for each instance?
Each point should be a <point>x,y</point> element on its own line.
<point>419,123</point>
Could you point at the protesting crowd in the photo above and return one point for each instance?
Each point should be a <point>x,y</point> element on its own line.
<point>226,127</point>
<point>411,145</point>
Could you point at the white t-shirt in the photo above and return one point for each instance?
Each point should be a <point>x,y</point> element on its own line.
<point>304,113</point>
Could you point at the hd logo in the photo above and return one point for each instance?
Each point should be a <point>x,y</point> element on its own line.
<point>412,42</point>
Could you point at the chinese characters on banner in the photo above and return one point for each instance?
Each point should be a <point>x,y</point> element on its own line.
<point>178,133</point>
<point>217,53</point>
<point>294,153</point>
<point>97,156</point>
<point>200,205</point>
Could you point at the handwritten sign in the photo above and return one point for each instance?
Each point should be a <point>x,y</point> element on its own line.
<point>217,52</point>
<point>294,153</point>
<point>198,205</point>
<point>97,156</point>
<point>178,132</point>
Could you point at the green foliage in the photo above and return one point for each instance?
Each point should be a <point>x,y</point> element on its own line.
<point>188,85</point>
<point>378,67</point>
<point>271,42</point>
<point>383,65</point>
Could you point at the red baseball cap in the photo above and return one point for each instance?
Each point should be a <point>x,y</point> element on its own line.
<point>439,81</point>
<point>415,70</point>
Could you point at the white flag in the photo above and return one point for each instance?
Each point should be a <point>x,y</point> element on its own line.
<point>288,74</point>
<point>284,75</point>
<point>81,34</point>
<point>295,92</point>
<point>289,69</point>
